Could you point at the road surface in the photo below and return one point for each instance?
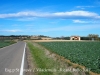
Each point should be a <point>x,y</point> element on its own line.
<point>11,59</point>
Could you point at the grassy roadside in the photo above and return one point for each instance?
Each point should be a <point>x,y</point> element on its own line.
<point>45,65</point>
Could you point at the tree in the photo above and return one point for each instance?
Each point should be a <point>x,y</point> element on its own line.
<point>93,36</point>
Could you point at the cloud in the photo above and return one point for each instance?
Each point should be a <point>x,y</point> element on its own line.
<point>12,30</point>
<point>90,21</point>
<point>79,21</point>
<point>61,15</point>
<point>83,7</point>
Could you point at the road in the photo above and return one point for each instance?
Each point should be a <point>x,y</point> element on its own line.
<point>11,59</point>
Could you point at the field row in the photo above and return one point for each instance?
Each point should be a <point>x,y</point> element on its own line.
<point>83,53</point>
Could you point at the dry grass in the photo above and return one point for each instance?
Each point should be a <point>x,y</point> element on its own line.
<point>54,40</point>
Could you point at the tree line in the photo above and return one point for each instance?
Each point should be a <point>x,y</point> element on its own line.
<point>26,37</point>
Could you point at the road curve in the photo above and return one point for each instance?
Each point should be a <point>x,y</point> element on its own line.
<point>11,59</point>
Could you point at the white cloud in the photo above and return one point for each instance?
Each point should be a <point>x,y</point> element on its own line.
<point>79,21</point>
<point>87,21</point>
<point>83,7</point>
<point>61,15</point>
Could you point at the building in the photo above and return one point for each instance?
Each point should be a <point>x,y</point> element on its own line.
<point>75,38</point>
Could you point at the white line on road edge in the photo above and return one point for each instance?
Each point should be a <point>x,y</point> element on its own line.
<point>22,64</point>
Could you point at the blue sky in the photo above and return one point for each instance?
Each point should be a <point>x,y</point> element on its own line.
<point>50,17</point>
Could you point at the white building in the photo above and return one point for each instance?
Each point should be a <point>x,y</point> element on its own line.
<point>75,38</point>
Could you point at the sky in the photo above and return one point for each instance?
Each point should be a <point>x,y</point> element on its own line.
<point>53,18</point>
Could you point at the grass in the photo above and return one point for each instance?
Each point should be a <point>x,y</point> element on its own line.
<point>45,65</point>
<point>6,43</point>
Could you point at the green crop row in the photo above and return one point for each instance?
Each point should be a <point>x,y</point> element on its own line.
<point>83,53</point>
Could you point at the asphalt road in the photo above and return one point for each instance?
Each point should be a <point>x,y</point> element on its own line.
<point>11,59</point>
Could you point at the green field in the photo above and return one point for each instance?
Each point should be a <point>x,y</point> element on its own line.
<point>44,62</point>
<point>83,53</point>
<point>6,43</point>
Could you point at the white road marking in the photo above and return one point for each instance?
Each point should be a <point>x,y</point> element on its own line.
<point>22,64</point>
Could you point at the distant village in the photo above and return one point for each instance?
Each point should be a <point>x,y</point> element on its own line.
<point>42,37</point>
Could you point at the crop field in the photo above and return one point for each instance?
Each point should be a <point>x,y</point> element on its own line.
<point>5,43</point>
<point>83,53</point>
